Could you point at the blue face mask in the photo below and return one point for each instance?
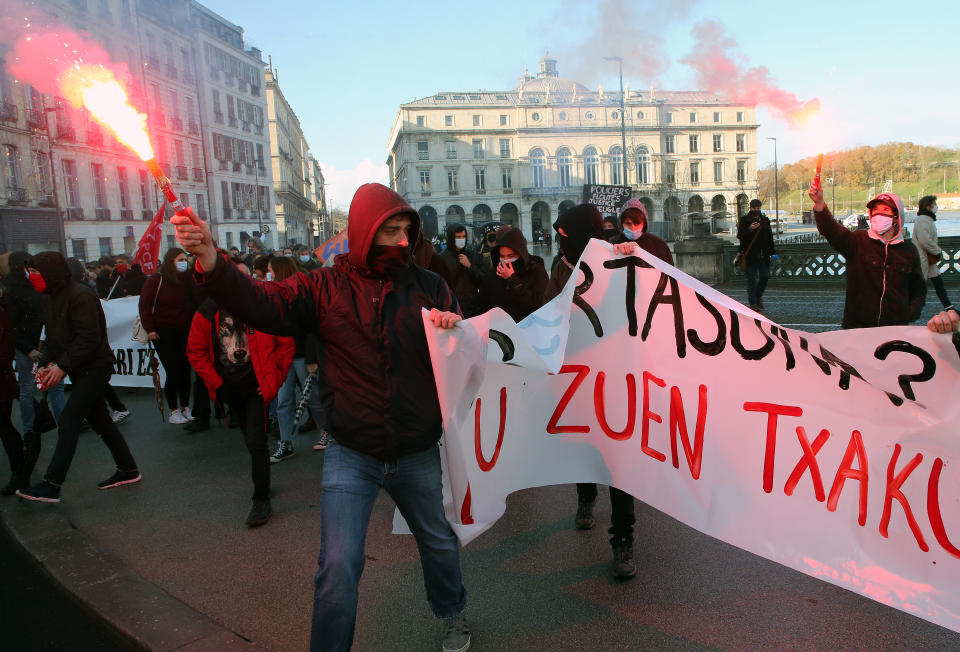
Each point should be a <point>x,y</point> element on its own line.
<point>631,235</point>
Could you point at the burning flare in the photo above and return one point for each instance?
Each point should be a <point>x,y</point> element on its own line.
<point>107,102</point>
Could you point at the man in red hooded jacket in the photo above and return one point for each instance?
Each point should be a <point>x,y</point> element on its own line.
<point>384,413</point>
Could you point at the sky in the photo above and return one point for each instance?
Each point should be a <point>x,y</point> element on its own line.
<point>887,73</point>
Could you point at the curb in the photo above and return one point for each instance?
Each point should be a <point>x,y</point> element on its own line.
<point>137,611</point>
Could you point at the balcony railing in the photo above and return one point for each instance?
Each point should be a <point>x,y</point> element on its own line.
<point>103,214</point>
<point>182,172</point>
<point>255,91</point>
<point>258,130</point>
<point>74,213</point>
<point>218,117</point>
<point>67,133</point>
<point>246,126</point>
<point>194,128</point>
<point>126,214</point>
<point>9,112</point>
<point>36,119</point>
<point>198,175</point>
<point>232,121</point>
<point>17,195</point>
<point>146,215</point>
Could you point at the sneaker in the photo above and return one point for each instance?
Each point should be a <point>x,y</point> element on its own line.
<point>623,565</point>
<point>197,425</point>
<point>284,450</point>
<point>187,414</point>
<point>456,633</point>
<point>16,482</point>
<point>119,478</point>
<point>755,307</point>
<point>584,519</point>
<point>42,492</point>
<point>259,514</point>
<point>119,415</point>
<point>760,304</point>
<point>176,417</point>
<point>323,441</point>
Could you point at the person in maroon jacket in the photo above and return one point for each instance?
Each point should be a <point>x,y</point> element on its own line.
<point>517,280</point>
<point>635,225</point>
<point>384,418</point>
<point>164,315</point>
<point>244,369</point>
<point>9,390</point>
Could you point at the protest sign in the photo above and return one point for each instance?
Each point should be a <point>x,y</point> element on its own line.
<point>132,368</point>
<point>829,453</point>
<point>607,199</point>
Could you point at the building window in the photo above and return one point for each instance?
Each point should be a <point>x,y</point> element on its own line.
<point>504,120</point>
<point>589,115</point>
<point>422,150</point>
<point>506,178</point>
<point>670,172</point>
<point>718,142</point>
<point>11,169</point>
<point>564,166</point>
<point>539,167</point>
<point>225,199</point>
<point>476,120</point>
<point>694,144</point>
<point>452,184</point>
<point>643,165</point>
<point>504,148</point>
<point>716,116</point>
<point>640,115</point>
<point>99,185</point>
<point>480,179</point>
<point>739,116</point>
<point>616,165</point>
<point>693,117</point>
<point>535,116</point>
<point>741,171</point>
<point>144,197</point>
<point>718,171</point>
<point>79,248</point>
<point>106,247</point>
<point>420,121</point>
<point>201,206</point>
<point>477,148</point>
<point>424,182</point>
<point>591,165</point>
<point>741,142</point>
<point>669,118</point>
<point>448,120</point>
<point>451,149</point>
<point>668,144</point>
<point>124,187</point>
<point>563,115</point>
<point>694,172</point>
<point>71,184</point>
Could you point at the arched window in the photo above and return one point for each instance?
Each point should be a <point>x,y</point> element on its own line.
<point>643,165</point>
<point>616,165</point>
<point>564,165</point>
<point>539,167</point>
<point>591,165</point>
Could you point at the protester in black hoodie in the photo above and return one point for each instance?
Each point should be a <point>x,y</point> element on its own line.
<point>611,228</point>
<point>517,281</point>
<point>465,268</point>
<point>756,244</point>
<point>574,230</point>
<point>76,344</point>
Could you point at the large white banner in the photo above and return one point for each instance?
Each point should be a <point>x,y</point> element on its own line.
<point>132,368</point>
<point>829,453</point>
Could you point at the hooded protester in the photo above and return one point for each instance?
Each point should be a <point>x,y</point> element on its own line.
<point>518,279</point>
<point>756,244</point>
<point>466,270</point>
<point>633,218</point>
<point>76,344</point>
<point>925,237</point>
<point>885,286</point>
<point>611,228</point>
<point>574,229</point>
<point>106,278</point>
<point>487,243</point>
<point>427,258</point>
<point>384,417</point>
<point>25,311</point>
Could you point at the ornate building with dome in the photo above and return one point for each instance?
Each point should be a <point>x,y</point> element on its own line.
<point>523,156</point>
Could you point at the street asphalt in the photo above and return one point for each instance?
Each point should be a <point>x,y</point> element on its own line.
<point>169,564</point>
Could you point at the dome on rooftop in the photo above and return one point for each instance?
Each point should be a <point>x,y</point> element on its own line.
<point>548,80</point>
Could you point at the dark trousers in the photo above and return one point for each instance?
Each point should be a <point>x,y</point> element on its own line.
<point>756,286</point>
<point>201,399</point>
<point>86,401</point>
<point>10,436</point>
<point>246,406</point>
<point>937,282</point>
<point>110,394</point>
<point>622,517</point>
<point>172,350</point>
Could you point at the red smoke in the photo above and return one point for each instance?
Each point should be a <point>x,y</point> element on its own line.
<point>717,72</point>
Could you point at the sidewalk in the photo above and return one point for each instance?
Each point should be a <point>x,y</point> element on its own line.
<point>170,563</point>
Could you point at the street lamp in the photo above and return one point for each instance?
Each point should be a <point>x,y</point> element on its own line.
<point>256,174</point>
<point>833,195</point>
<point>623,120</point>
<point>61,219</point>
<point>776,178</point>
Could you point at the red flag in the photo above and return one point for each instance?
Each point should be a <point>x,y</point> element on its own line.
<point>336,245</point>
<point>148,251</point>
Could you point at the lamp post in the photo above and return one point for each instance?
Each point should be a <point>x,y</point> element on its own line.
<point>833,195</point>
<point>776,178</point>
<point>61,219</point>
<point>256,175</point>
<point>623,119</point>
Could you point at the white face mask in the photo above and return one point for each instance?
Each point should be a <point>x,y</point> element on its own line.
<point>509,260</point>
<point>460,243</point>
<point>305,258</point>
<point>881,223</point>
<point>933,209</point>
<point>181,265</point>
<point>631,234</point>
<point>269,276</point>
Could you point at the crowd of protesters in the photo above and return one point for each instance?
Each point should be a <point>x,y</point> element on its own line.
<point>250,336</point>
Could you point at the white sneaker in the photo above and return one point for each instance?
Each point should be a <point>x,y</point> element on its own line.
<point>119,415</point>
<point>176,417</point>
<point>188,415</point>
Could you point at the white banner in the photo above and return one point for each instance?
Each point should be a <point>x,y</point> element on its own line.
<point>132,368</point>
<point>829,453</point>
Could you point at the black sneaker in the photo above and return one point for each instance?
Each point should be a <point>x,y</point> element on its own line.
<point>323,441</point>
<point>259,514</point>
<point>456,633</point>
<point>119,478</point>
<point>623,565</point>
<point>197,425</point>
<point>584,519</point>
<point>284,450</point>
<point>42,492</point>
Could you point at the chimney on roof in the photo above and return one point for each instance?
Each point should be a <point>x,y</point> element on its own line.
<point>653,92</point>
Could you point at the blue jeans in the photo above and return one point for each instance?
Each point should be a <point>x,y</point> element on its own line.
<point>27,384</point>
<point>351,481</point>
<point>287,399</point>
<point>756,287</point>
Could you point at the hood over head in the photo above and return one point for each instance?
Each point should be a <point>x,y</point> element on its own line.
<point>580,223</point>
<point>372,205</point>
<point>77,271</point>
<point>451,230</point>
<point>53,268</point>
<point>637,205</point>
<point>17,274</point>
<point>423,252</point>
<point>513,238</point>
<point>893,201</point>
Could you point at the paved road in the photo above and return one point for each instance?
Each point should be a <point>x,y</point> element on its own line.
<point>534,582</point>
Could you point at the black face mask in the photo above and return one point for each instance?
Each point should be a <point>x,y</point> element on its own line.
<point>609,233</point>
<point>388,260</point>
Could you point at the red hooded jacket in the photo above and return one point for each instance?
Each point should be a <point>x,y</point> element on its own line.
<point>376,362</point>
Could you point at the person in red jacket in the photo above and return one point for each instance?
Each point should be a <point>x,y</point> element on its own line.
<point>384,418</point>
<point>244,369</point>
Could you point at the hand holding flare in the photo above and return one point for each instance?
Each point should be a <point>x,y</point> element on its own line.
<point>816,190</point>
<point>195,238</point>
